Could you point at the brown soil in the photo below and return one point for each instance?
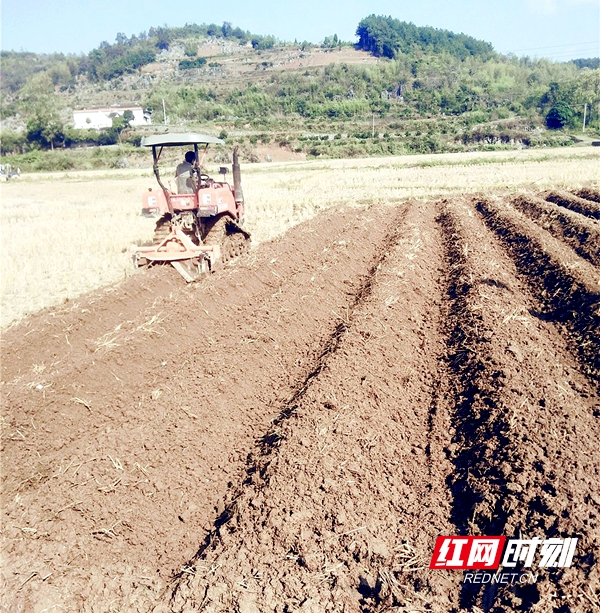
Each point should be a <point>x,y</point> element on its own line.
<point>273,152</point>
<point>235,60</point>
<point>589,208</point>
<point>293,432</point>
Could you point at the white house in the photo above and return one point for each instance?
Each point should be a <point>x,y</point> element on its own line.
<point>99,118</point>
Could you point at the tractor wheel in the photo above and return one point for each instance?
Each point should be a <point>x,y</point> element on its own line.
<point>215,231</point>
<point>231,240</point>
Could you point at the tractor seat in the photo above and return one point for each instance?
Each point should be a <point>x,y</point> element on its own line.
<point>184,183</point>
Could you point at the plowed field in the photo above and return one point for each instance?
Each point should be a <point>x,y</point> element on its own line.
<point>293,432</point>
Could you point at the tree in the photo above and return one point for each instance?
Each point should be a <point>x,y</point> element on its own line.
<point>188,64</point>
<point>559,116</point>
<point>263,42</point>
<point>226,29</point>
<point>12,142</point>
<point>389,37</point>
<point>190,49</point>
<point>121,122</point>
<point>163,37</point>
<point>45,131</point>
<point>128,117</point>
<point>330,42</point>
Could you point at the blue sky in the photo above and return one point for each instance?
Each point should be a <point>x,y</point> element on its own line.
<point>557,29</point>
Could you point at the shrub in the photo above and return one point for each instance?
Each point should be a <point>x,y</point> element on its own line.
<point>188,64</point>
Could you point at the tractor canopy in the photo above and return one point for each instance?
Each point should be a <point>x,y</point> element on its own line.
<point>177,140</point>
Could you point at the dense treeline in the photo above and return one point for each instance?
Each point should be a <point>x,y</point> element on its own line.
<point>590,62</point>
<point>389,37</point>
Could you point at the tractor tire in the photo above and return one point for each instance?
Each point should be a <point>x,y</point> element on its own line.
<point>215,231</point>
<point>225,233</point>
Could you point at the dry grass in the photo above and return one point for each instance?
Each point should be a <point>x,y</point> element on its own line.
<point>64,234</point>
<point>61,238</point>
<point>286,193</point>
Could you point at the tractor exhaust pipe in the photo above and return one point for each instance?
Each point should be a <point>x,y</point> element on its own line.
<point>237,178</point>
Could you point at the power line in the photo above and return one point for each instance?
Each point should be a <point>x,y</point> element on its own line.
<point>568,58</point>
<point>591,42</point>
<point>580,50</point>
<point>583,53</point>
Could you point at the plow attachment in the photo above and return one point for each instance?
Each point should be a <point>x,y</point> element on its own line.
<point>178,249</point>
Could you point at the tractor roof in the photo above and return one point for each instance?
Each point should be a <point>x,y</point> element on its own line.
<point>173,140</point>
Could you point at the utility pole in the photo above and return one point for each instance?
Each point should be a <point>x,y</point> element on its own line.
<point>584,115</point>
<point>373,130</point>
<point>164,112</point>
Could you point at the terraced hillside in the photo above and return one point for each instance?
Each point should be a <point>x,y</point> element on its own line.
<point>294,432</point>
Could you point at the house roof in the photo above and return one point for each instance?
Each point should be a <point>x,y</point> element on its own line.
<point>109,109</point>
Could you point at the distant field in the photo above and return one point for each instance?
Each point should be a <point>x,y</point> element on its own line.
<point>64,234</point>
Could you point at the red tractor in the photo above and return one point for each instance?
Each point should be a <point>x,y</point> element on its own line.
<point>200,226</point>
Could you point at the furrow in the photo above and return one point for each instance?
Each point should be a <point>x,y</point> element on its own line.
<point>589,208</point>
<point>273,437</point>
<point>588,193</point>
<point>579,232</point>
<point>131,453</point>
<point>341,512</point>
<point>524,421</point>
<point>566,287</point>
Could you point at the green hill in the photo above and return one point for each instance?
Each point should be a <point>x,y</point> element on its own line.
<point>400,89</point>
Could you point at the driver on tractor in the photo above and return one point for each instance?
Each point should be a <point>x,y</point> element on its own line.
<point>183,174</point>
